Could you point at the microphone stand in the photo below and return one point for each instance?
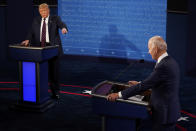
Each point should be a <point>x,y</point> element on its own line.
<point>130,65</point>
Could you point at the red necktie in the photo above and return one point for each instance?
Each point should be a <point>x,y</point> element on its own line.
<point>43,42</point>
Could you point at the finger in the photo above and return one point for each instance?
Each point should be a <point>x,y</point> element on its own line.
<point>110,98</point>
<point>113,99</point>
<point>107,97</point>
<point>26,44</point>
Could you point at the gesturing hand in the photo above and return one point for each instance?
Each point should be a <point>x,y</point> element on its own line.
<point>64,31</point>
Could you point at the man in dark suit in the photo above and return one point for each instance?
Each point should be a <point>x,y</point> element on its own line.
<point>44,32</point>
<point>164,82</point>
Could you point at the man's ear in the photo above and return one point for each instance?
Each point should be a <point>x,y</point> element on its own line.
<point>156,49</point>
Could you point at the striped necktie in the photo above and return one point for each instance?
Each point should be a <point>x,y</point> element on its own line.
<point>43,41</point>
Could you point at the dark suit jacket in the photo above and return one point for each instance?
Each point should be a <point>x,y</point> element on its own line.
<point>164,82</point>
<point>54,24</point>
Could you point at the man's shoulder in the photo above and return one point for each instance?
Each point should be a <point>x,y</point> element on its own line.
<point>170,62</point>
<point>170,59</point>
<point>54,17</point>
<point>167,59</point>
<point>167,62</point>
<point>36,19</point>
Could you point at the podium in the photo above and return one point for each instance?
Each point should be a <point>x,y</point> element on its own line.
<point>33,76</point>
<point>120,115</point>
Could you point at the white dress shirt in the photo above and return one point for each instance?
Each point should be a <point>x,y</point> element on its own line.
<point>47,33</point>
<point>161,57</point>
<point>158,61</point>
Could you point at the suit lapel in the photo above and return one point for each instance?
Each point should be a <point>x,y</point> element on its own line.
<point>39,25</point>
<point>49,26</point>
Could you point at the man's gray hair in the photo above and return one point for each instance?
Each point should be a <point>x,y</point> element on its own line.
<point>158,42</point>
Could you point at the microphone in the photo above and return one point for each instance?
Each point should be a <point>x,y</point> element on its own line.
<point>125,69</point>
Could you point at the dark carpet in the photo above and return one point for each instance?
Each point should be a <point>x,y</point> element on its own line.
<point>73,112</point>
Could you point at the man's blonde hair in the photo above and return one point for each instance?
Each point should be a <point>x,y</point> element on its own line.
<point>43,6</point>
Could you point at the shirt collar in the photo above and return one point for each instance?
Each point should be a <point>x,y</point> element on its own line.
<point>46,18</point>
<point>162,56</point>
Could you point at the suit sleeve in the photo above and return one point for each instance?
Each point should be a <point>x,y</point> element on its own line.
<point>61,24</point>
<point>30,32</point>
<point>151,81</point>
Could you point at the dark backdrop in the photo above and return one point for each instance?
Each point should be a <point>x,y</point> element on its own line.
<point>191,46</point>
<point>16,20</point>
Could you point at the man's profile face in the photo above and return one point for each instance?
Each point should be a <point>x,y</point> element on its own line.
<point>152,51</point>
<point>44,12</point>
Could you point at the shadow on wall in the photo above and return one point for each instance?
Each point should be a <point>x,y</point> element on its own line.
<point>116,45</point>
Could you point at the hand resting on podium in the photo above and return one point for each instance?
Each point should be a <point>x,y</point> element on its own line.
<point>25,43</point>
<point>132,83</point>
<point>115,95</point>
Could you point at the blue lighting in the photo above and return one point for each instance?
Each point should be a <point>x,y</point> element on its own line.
<point>29,81</point>
<point>112,28</point>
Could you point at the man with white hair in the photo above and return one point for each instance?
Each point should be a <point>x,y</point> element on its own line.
<point>164,82</point>
<point>45,32</point>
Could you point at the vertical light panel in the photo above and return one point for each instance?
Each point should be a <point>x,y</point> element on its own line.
<point>29,81</point>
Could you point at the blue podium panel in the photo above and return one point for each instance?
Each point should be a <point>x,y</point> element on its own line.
<point>29,81</point>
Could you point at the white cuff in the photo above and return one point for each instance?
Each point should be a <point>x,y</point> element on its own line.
<point>120,94</point>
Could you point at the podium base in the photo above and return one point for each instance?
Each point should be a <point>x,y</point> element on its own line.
<point>33,107</point>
